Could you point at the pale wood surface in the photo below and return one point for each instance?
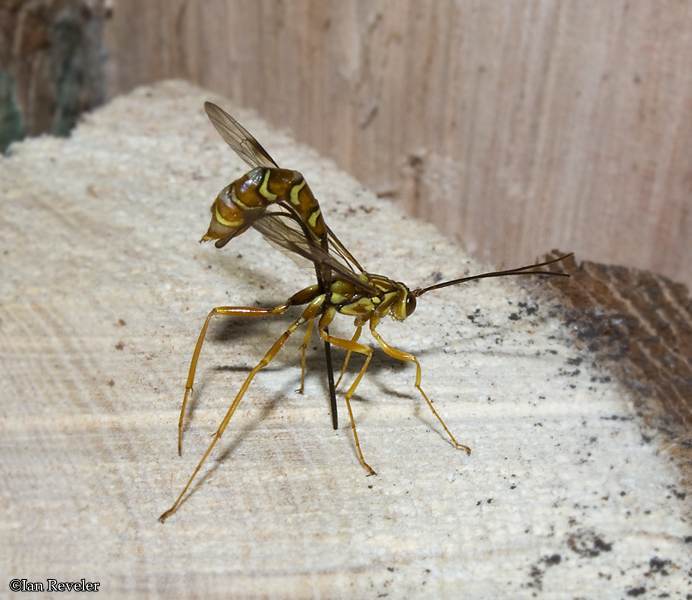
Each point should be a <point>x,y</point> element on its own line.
<point>514,126</point>
<point>638,326</point>
<point>103,290</point>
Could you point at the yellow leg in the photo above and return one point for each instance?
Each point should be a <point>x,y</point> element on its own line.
<point>351,346</point>
<point>406,357</point>
<point>355,338</point>
<point>233,311</point>
<point>309,313</point>
<point>303,350</point>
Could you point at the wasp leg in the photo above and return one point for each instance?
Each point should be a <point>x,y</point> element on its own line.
<point>351,346</point>
<point>233,311</point>
<point>407,357</point>
<point>354,339</point>
<point>303,350</point>
<point>309,313</point>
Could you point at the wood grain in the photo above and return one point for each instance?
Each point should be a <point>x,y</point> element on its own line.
<point>513,126</point>
<point>51,65</point>
<point>638,326</point>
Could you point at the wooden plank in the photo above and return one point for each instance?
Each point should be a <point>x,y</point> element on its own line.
<point>638,326</point>
<point>51,65</point>
<point>511,126</point>
<point>104,289</point>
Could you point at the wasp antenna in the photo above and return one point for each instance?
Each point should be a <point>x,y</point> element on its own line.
<point>518,271</point>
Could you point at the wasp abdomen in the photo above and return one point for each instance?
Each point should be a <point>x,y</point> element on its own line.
<point>285,185</point>
<point>244,200</point>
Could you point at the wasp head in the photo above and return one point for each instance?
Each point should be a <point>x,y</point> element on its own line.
<point>404,303</point>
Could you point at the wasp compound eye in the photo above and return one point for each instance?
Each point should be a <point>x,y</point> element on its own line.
<point>410,304</point>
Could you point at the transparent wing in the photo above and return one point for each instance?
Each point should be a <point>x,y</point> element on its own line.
<point>238,138</point>
<point>336,243</point>
<point>342,250</point>
<point>285,231</point>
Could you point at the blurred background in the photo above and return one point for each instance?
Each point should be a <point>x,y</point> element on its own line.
<point>516,127</point>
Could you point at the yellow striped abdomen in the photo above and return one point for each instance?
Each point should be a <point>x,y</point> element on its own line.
<point>246,199</point>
